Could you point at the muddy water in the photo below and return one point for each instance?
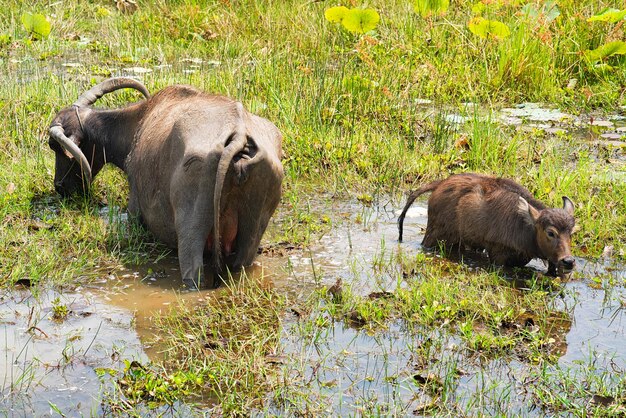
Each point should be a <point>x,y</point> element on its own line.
<point>356,373</point>
<point>50,362</point>
<point>46,362</point>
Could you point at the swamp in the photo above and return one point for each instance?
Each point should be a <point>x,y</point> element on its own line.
<point>335,317</point>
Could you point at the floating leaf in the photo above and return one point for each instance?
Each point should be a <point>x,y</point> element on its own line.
<point>606,50</point>
<point>608,15</point>
<point>426,8</point>
<point>360,20</point>
<point>336,14</point>
<point>485,28</point>
<point>36,24</point>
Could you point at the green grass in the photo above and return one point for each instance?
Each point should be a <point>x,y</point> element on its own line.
<point>350,108</point>
<point>230,344</point>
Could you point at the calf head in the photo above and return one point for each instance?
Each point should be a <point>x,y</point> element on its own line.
<point>79,155</point>
<point>553,233</point>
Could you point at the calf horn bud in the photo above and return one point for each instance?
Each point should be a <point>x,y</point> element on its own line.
<point>107,86</point>
<point>57,132</point>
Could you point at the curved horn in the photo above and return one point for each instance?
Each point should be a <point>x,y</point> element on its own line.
<point>58,134</point>
<point>107,86</point>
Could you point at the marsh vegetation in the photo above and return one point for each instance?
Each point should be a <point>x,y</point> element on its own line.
<point>336,317</point>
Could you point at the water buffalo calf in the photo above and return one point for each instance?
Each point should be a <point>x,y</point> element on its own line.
<point>204,174</point>
<point>497,215</point>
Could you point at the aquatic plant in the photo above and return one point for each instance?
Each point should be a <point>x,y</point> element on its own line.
<point>139,383</point>
<point>428,8</point>
<point>60,311</point>
<point>597,58</point>
<point>488,28</point>
<point>608,15</point>
<point>544,12</point>
<point>37,25</point>
<point>355,20</point>
<point>605,51</point>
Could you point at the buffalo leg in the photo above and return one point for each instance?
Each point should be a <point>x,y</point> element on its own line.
<point>192,230</point>
<point>504,257</point>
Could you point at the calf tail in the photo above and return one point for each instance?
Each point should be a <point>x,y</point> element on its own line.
<point>235,143</point>
<point>412,196</point>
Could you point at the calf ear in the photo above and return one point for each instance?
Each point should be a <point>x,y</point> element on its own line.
<point>568,205</point>
<point>526,210</point>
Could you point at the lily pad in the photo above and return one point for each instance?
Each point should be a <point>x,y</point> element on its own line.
<point>37,25</point>
<point>361,20</point>
<point>606,50</point>
<point>426,8</point>
<point>546,13</point>
<point>488,28</point>
<point>608,15</point>
<point>336,14</point>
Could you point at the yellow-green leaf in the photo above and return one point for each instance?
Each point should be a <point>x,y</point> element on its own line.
<point>336,14</point>
<point>425,8</point>
<point>361,20</point>
<point>36,24</point>
<point>478,8</point>
<point>606,50</point>
<point>488,28</point>
<point>608,15</point>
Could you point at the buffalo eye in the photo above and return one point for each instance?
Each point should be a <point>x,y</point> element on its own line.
<point>551,234</point>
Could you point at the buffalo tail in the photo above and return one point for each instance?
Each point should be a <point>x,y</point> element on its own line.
<point>412,196</point>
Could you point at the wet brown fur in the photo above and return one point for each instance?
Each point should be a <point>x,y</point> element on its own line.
<point>484,212</point>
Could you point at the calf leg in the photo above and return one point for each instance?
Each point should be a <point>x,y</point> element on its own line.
<point>505,257</point>
<point>430,238</point>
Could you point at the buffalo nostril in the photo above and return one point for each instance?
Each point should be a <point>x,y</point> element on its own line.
<point>568,262</point>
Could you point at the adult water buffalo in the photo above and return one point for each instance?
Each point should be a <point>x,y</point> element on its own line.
<point>205,175</point>
<point>497,215</point>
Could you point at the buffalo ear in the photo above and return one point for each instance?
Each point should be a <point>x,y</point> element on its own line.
<point>568,205</point>
<point>527,211</point>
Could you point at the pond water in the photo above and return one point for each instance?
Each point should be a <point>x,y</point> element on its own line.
<point>49,362</point>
